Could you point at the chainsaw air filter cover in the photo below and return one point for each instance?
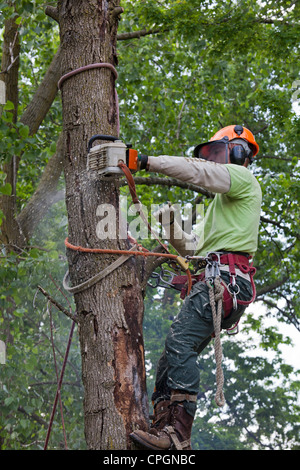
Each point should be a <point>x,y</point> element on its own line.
<point>104,159</point>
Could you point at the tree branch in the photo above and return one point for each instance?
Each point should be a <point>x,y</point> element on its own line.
<point>274,157</point>
<point>145,32</point>
<point>11,234</point>
<point>291,318</point>
<point>139,34</point>
<point>149,181</point>
<point>33,416</point>
<point>117,11</point>
<point>33,116</point>
<point>43,98</point>
<point>271,287</point>
<point>52,12</point>
<point>274,21</point>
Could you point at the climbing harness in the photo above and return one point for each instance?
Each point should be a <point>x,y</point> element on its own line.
<point>213,264</point>
<point>221,296</point>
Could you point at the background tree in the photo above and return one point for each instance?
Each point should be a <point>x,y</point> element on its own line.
<point>185,69</point>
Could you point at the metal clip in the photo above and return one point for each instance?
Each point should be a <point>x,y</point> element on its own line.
<point>167,283</point>
<point>209,272</point>
<point>155,276</point>
<point>212,269</point>
<point>234,330</point>
<point>183,263</point>
<point>234,302</point>
<point>211,254</point>
<point>234,290</point>
<point>162,279</point>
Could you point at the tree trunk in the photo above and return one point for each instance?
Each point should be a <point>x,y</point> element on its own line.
<point>110,313</point>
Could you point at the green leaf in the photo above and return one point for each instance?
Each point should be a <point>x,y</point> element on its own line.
<point>6,189</point>
<point>24,131</point>
<point>9,106</point>
<point>8,401</point>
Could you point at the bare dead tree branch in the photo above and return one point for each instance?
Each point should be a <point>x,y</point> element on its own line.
<point>58,305</point>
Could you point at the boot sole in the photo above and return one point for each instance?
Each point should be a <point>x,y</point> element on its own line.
<point>138,440</point>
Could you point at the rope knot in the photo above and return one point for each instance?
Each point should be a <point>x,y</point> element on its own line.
<point>219,289</point>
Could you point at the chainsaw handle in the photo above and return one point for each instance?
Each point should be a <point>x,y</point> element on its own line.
<point>100,137</point>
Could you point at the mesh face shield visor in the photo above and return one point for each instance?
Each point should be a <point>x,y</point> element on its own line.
<point>224,151</point>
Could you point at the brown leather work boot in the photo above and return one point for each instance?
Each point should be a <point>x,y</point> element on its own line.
<point>161,414</point>
<point>176,433</point>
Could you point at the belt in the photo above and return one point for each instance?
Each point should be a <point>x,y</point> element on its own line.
<point>239,273</point>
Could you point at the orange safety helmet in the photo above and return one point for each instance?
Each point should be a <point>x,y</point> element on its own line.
<point>235,132</point>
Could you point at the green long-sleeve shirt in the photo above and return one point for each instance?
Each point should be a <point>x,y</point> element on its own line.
<point>232,219</point>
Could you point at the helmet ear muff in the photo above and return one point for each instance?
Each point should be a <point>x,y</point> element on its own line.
<point>239,153</point>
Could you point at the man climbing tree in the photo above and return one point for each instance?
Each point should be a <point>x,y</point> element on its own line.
<point>229,240</point>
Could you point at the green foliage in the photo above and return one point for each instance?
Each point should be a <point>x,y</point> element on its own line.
<point>28,377</point>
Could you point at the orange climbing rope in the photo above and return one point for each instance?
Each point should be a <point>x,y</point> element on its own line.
<point>181,261</point>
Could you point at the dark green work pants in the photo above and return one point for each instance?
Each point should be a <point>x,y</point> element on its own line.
<point>189,334</point>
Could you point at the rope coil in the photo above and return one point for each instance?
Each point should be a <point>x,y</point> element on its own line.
<point>90,67</point>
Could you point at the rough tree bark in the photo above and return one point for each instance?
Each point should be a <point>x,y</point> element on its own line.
<point>110,313</point>
<point>11,233</point>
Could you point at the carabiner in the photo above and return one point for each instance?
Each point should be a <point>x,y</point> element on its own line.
<point>167,283</point>
<point>233,289</point>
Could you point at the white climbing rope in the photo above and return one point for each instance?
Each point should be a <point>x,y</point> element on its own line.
<point>215,296</point>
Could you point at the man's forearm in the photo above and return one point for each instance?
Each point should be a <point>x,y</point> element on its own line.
<point>212,176</point>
